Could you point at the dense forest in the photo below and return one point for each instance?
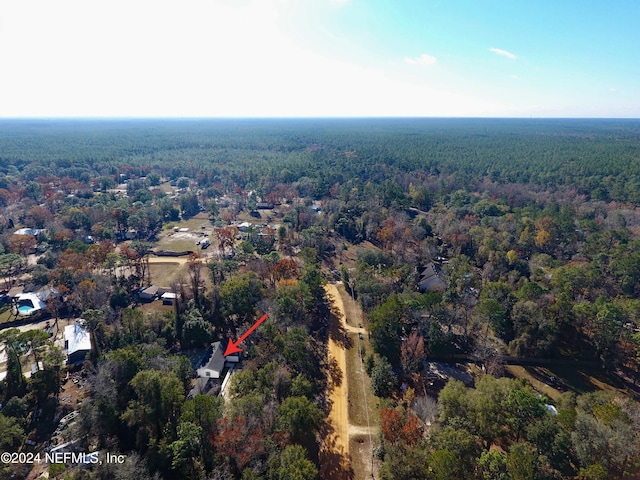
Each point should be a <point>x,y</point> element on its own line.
<point>531,227</point>
<point>597,158</point>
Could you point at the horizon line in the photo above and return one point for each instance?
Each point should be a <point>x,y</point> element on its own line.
<point>293,117</point>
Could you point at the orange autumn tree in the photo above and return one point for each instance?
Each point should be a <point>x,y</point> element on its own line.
<point>391,425</point>
<point>22,244</point>
<point>238,441</point>
<point>397,428</point>
<point>387,233</point>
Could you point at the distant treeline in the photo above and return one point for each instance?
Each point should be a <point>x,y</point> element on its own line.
<point>598,158</point>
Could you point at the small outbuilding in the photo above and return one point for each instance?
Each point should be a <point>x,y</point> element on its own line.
<point>243,227</point>
<point>169,298</point>
<point>148,294</point>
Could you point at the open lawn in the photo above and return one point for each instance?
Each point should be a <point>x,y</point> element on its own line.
<point>186,241</point>
<point>360,393</point>
<point>194,223</point>
<point>5,315</point>
<point>167,188</point>
<point>264,215</point>
<point>360,383</point>
<point>179,242</point>
<point>584,380</point>
<point>164,273</point>
<point>361,457</point>
<point>555,380</point>
<point>154,306</point>
<point>518,371</point>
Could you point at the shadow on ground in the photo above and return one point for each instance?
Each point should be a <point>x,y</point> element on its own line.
<point>334,462</point>
<point>337,332</point>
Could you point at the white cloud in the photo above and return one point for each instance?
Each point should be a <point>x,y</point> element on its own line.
<point>503,53</point>
<point>613,90</point>
<point>424,59</point>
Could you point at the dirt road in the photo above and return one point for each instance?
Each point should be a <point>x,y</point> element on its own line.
<point>336,457</point>
<point>180,260</point>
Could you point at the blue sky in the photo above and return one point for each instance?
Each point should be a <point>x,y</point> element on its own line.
<point>219,58</point>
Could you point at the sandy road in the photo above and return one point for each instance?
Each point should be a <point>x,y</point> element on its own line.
<point>334,455</point>
<point>335,458</point>
<point>180,260</point>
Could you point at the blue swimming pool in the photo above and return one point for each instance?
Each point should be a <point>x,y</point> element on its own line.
<point>25,309</point>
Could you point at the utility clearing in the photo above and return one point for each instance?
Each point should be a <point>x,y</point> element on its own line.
<point>337,458</point>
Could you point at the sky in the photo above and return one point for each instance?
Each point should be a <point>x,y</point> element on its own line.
<point>320,58</point>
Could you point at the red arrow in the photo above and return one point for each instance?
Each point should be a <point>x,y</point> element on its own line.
<point>233,347</point>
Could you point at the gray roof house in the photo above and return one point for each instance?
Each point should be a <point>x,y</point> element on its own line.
<point>431,279</point>
<point>216,361</point>
<point>148,294</point>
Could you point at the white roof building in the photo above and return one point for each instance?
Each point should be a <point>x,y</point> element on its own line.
<point>27,304</point>
<point>169,298</point>
<point>29,231</point>
<point>244,226</point>
<point>77,342</point>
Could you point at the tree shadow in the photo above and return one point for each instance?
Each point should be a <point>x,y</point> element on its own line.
<point>335,374</point>
<point>335,311</point>
<point>334,461</point>
<point>337,332</point>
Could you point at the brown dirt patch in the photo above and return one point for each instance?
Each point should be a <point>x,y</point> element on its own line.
<point>362,455</point>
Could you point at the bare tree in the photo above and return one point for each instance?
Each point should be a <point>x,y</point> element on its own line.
<point>426,409</point>
<point>412,353</point>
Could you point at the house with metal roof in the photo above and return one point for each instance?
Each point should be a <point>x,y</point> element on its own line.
<point>214,364</point>
<point>77,342</point>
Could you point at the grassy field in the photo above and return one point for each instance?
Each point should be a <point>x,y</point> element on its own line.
<point>361,455</point>
<point>179,242</point>
<point>584,380</point>
<point>185,241</point>
<point>518,371</point>
<point>193,223</point>
<point>5,315</point>
<point>359,382</point>
<point>356,374</point>
<point>154,307</point>
<point>165,273</point>
<point>553,381</point>
<point>360,393</point>
<point>264,214</point>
